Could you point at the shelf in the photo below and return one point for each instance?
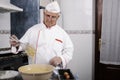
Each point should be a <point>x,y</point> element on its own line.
<point>9,8</point>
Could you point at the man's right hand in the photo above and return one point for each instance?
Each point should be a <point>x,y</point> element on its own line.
<point>14,41</point>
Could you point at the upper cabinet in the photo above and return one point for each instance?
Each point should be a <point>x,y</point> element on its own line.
<point>6,6</point>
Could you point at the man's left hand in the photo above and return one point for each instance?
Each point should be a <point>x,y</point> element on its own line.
<point>55,61</point>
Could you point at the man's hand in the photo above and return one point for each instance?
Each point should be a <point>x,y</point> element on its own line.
<point>14,41</point>
<point>55,61</point>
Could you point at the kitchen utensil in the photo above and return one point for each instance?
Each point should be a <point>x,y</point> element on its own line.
<point>8,75</point>
<point>36,71</point>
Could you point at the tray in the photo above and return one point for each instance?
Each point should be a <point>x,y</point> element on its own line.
<point>65,74</point>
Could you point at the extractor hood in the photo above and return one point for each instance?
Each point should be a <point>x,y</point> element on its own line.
<point>9,8</point>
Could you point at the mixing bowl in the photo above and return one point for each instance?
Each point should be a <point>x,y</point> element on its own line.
<point>36,71</point>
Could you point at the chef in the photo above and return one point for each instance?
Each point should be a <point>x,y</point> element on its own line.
<point>51,43</point>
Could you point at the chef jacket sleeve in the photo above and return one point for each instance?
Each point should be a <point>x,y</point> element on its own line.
<point>67,51</point>
<point>23,40</point>
<point>14,50</point>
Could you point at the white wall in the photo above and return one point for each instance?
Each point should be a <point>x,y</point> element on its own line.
<point>4,27</point>
<point>78,20</point>
<point>4,1</point>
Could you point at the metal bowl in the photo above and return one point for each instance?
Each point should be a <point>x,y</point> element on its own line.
<point>8,75</point>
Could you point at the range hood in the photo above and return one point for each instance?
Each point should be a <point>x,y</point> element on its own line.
<point>9,8</point>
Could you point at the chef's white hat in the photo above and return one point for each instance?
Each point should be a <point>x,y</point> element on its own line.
<point>53,7</point>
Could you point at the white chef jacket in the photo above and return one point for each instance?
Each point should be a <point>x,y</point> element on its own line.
<point>48,42</point>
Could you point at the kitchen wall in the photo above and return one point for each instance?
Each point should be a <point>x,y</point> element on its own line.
<point>78,20</point>
<point>4,27</point>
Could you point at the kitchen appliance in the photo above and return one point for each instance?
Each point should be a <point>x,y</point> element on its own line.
<point>11,61</point>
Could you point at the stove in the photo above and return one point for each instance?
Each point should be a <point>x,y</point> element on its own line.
<point>11,61</point>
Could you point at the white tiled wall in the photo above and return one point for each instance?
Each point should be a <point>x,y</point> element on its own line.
<point>4,27</point>
<point>78,21</point>
<point>4,1</point>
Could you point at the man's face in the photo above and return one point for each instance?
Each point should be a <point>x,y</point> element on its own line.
<point>50,19</point>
